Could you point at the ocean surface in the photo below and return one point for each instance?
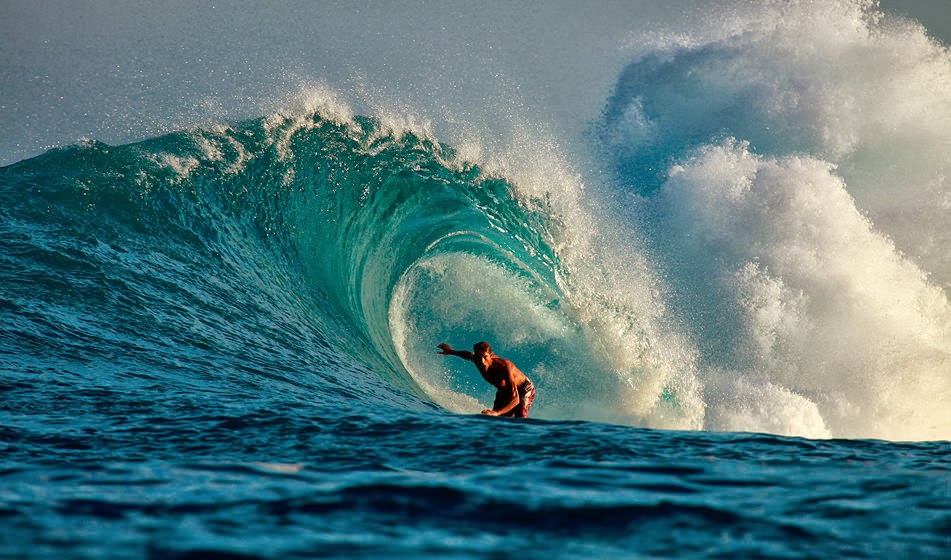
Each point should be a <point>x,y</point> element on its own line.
<point>730,290</point>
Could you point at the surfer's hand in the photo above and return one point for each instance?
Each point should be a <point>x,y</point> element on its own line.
<point>488,412</point>
<point>446,349</point>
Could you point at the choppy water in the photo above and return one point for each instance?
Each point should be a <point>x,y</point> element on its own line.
<point>291,479</point>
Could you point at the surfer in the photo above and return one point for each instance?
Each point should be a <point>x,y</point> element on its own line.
<point>514,392</point>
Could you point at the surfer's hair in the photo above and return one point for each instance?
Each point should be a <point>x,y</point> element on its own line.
<point>485,346</point>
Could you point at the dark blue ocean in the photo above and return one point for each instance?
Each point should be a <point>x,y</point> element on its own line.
<point>730,290</point>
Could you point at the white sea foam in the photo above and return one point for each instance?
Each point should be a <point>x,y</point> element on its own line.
<point>808,249</point>
<point>812,298</point>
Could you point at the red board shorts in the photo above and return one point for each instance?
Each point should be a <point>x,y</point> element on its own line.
<point>526,394</point>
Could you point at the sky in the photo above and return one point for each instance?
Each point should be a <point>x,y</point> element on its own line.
<point>123,71</point>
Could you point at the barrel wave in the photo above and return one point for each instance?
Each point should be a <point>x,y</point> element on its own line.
<point>310,248</point>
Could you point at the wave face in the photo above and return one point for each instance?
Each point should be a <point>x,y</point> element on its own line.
<point>175,261</point>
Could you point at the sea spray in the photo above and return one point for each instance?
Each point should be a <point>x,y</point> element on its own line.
<point>791,176</point>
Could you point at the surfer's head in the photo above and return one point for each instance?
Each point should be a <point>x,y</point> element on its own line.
<point>483,353</point>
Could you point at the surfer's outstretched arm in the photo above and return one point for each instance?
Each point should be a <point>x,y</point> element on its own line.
<point>448,351</point>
